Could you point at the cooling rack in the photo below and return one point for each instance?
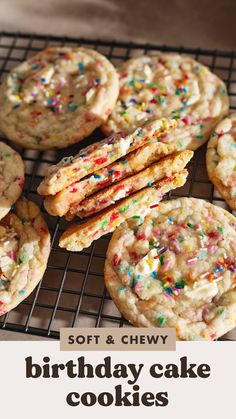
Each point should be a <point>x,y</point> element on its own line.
<point>72,292</point>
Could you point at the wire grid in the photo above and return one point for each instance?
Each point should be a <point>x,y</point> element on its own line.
<point>72,292</point>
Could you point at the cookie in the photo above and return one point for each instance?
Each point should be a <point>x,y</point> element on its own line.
<point>101,200</point>
<point>100,154</point>
<point>66,200</point>
<point>57,98</point>
<point>81,235</point>
<point>169,85</point>
<point>176,268</point>
<point>24,251</point>
<point>221,159</point>
<point>12,178</point>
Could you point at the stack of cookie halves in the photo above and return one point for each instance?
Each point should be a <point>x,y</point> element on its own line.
<point>112,180</point>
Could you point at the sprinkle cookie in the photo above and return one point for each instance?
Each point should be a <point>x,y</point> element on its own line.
<point>81,235</point>
<point>221,159</point>
<point>101,154</point>
<point>24,251</point>
<point>176,268</point>
<point>101,200</point>
<point>57,98</point>
<point>66,200</point>
<point>11,178</point>
<point>169,85</point>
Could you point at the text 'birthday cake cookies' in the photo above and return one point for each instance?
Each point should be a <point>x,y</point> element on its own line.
<point>176,268</point>
<point>221,159</point>
<point>101,154</point>
<point>24,251</point>
<point>11,178</point>
<point>169,85</point>
<point>57,98</point>
<point>81,235</point>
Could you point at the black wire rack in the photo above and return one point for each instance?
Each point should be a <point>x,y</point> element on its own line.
<point>72,292</point>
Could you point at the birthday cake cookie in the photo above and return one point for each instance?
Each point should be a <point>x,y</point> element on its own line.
<point>169,85</point>
<point>221,159</point>
<point>67,200</point>
<point>176,268</point>
<point>11,178</point>
<point>24,251</point>
<point>57,98</point>
<point>101,154</point>
<point>110,195</point>
<point>81,235</point>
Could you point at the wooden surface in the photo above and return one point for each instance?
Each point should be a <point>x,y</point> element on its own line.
<point>198,23</point>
